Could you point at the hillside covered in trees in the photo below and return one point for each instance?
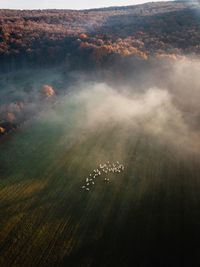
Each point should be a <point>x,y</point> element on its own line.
<point>52,37</point>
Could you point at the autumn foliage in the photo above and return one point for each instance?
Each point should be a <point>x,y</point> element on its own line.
<point>52,37</point>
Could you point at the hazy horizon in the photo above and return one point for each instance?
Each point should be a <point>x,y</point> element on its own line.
<point>62,4</point>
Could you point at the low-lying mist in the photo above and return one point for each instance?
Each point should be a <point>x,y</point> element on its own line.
<point>168,111</point>
<point>161,101</point>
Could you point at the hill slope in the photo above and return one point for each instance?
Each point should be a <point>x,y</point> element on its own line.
<point>51,37</point>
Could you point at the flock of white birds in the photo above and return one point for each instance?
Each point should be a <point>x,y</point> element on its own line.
<point>103,170</point>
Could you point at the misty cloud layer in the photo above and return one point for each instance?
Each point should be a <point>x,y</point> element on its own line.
<point>161,101</point>
<point>170,114</point>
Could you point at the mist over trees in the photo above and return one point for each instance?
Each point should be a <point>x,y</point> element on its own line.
<point>116,43</point>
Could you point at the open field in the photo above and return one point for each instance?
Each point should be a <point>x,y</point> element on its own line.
<point>146,216</point>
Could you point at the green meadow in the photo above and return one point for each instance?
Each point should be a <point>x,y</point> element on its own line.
<point>148,214</point>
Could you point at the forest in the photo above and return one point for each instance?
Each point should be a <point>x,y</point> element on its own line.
<point>54,37</point>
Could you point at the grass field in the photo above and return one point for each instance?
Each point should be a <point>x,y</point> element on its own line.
<point>149,215</point>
